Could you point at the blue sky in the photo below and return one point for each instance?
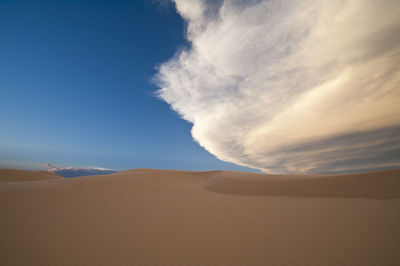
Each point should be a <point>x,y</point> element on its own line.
<point>278,86</point>
<point>76,90</point>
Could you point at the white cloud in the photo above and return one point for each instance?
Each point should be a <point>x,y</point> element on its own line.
<point>262,76</point>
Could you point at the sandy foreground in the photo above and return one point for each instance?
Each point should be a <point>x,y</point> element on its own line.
<point>160,217</point>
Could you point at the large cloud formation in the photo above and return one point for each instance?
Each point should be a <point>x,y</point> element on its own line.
<point>290,86</point>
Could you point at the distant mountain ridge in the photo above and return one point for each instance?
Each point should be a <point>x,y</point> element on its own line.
<point>76,172</point>
<point>69,172</point>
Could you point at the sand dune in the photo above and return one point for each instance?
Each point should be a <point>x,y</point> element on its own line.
<point>159,217</point>
<point>378,185</point>
<point>11,175</point>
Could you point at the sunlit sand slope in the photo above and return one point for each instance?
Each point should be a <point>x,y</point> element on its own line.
<point>160,217</point>
<point>11,175</point>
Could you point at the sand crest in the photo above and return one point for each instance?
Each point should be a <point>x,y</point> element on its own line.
<point>11,175</point>
<point>377,185</point>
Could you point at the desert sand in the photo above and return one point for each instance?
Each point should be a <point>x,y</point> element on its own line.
<point>11,175</point>
<point>163,217</point>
